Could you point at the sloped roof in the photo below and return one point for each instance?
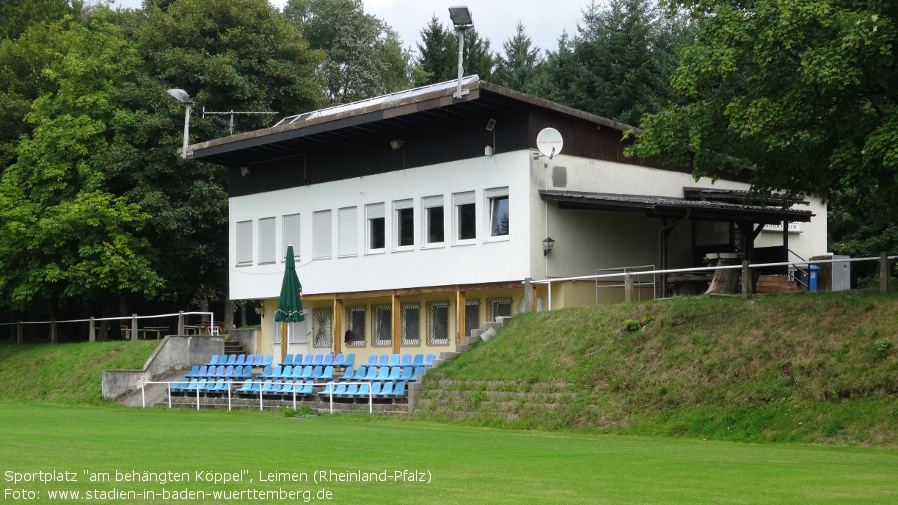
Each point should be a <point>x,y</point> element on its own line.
<point>670,207</point>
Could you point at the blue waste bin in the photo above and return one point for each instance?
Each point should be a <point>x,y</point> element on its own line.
<point>812,281</point>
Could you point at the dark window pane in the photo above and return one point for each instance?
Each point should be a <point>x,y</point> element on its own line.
<point>406,227</point>
<point>467,222</point>
<point>435,225</point>
<point>377,233</point>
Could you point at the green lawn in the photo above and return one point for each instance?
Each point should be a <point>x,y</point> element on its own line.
<point>464,465</point>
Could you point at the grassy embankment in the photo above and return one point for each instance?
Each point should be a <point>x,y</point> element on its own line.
<point>806,368</point>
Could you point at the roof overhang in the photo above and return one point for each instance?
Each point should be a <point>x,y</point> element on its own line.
<point>379,116</point>
<point>664,207</point>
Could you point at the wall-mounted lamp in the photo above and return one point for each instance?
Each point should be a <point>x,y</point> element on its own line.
<point>490,125</point>
<point>258,308</point>
<point>462,20</point>
<point>184,98</point>
<point>396,144</point>
<point>245,171</point>
<point>548,245</point>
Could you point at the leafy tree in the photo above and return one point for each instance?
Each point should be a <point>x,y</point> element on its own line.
<point>17,15</point>
<point>618,63</point>
<point>517,67</point>
<point>65,236</point>
<point>802,93</point>
<point>438,54</point>
<point>362,55</point>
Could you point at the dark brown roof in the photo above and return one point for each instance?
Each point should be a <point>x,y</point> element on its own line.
<point>676,208</point>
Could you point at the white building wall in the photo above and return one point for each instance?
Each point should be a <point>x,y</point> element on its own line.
<point>485,259</point>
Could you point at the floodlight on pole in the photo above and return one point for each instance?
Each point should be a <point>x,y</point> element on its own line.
<point>462,20</point>
<point>184,98</point>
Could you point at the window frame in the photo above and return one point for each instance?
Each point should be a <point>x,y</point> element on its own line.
<point>434,333</point>
<point>268,244</point>
<point>291,227</point>
<point>244,243</point>
<point>358,340</point>
<point>382,325</point>
<point>322,234</point>
<point>400,208</point>
<point>492,198</point>
<point>347,232</point>
<point>428,206</point>
<point>375,228</point>
<point>462,203</point>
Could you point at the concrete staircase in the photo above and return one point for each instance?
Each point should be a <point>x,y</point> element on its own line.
<point>508,400</point>
<point>234,347</point>
<point>777,284</point>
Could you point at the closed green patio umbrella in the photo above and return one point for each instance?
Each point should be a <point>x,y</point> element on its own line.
<point>290,304</point>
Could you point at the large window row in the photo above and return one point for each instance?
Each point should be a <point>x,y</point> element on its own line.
<point>384,225</point>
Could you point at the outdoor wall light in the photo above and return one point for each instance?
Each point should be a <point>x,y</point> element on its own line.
<point>184,98</point>
<point>245,171</point>
<point>548,245</point>
<point>396,144</point>
<point>462,20</point>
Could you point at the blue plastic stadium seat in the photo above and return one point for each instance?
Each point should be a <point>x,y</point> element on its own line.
<point>408,373</point>
<point>351,390</point>
<point>419,371</point>
<point>375,388</point>
<point>341,390</point>
<point>418,360</point>
<point>428,360</point>
<point>383,374</point>
<point>265,371</point>
<point>372,360</point>
<point>229,371</point>
<point>327,360</point>
<point>328,389</point>
<point>339,360</point>
<point>349,360</point>
<point>306,372</point>
<point>232,360</point>
<point>317,372</point>
<point>241,359</point>
<point>384,360</point>
<point>175,386</point>
<point>387,389</point>
<point>264,360</point>
<point>359,373</point>
<point>318,359</point>
<point>297,360</point>
<point>395,373</point>
<point>246,388</point>
<point>398,390</point>
<point>370,376</point>
<point>347,374</point>
<point>328,373</point>
<point>193,372</point>
<point>250,359</point>
<point>406,360</point>
<point>364,390</point>
<point>213,360</point>
<point>288,360</point>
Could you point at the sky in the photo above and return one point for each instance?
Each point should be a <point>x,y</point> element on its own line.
<point>495,20</point>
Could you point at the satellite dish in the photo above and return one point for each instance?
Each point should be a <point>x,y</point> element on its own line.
<point>549,142</point>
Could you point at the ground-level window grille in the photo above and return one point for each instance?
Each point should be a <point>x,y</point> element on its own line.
<point>411,324</point>
<point>498,307</point>
<point>472,316</point>
<point>382,324</point>
<point>438,323</point>
<point>355,326</point>
<point>322,327</point>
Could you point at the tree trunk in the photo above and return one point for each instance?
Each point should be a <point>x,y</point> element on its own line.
<point>228,320</point>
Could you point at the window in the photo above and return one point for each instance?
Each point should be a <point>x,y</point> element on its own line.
<point>411,324</point>
<point>322,324</point>
<point>355,326</point>
<point>497,200</point>
<point>472,316</point>
<point>245,243</point>
<point>383,325</point>
<point>405,223</point>
<point>376,227</point>
<point>438,323</point>
<point>433,219</point>
<point>296,333</point>
<point>498,307</point>
<point>712,233</point>
<point>465,217</point>
<point>321,235</point>
<point>267,241</point>
<point>348,244</point>
<point>291,234</point>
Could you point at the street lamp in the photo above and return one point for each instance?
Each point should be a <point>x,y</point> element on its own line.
<point>461,18</point>
<point>184,98</point>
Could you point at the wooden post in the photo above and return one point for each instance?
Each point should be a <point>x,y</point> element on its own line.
<point>20,333</point>
<point>885,272</point>
<point>54,335</point>
<point>460,323</point>
<point>133,326</point>
<point>528,295</point>
<point>92,329</point>
<point>397,323</point>
<point>284,343</point>
<point>628,287</point>
<point>337,325</point>
<point>746,280</point>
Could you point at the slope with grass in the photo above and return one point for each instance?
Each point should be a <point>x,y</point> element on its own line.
<point>807,368</point>
<point>65,373</point>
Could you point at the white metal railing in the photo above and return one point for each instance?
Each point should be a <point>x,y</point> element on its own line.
<point>549,282</point>
<point>197,390</point>
<point>639,271</point>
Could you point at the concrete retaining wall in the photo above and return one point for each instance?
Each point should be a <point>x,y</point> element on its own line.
<point>249,337</point>
<point>175,353</point>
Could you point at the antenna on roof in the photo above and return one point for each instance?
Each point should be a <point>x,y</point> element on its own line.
<point>231,113</point>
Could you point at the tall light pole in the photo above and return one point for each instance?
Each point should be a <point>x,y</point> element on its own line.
<point>184,98</point>
<point>461,18</point>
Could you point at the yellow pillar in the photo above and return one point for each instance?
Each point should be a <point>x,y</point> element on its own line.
<point>337,325</point>
<point>460,316</point>
<point>397,324</point>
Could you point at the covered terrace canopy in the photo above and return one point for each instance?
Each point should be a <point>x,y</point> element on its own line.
<point>699,204</point>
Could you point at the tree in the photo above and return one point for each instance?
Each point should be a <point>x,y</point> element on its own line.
<point>800,95</point>
<point>517,67</point>
<point>65,236</point>
<point>362,55</point>
<point>17,15</point>
<point>438,54</point>
<point>618,63</point>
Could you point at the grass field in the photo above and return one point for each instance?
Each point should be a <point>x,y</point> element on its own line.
<point>463,465</point>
